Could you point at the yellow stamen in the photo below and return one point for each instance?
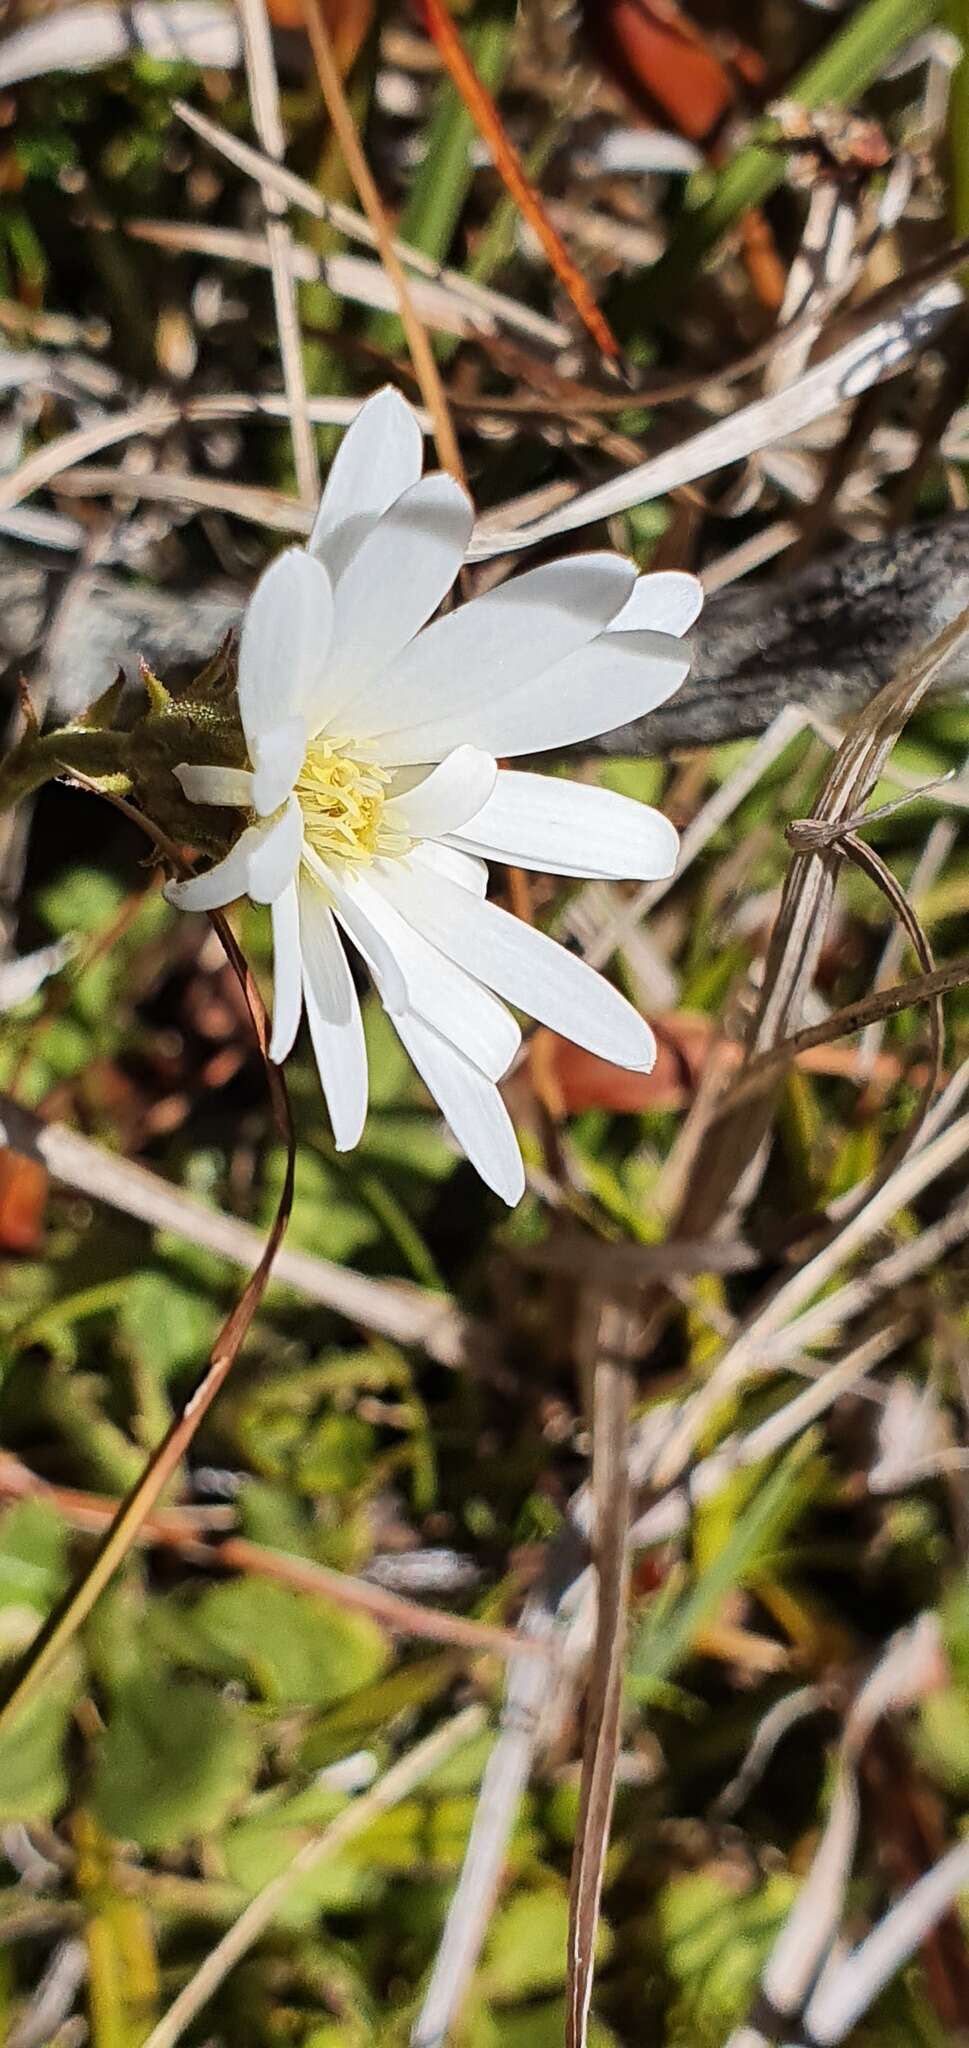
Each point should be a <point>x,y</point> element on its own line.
<point>342,800</point>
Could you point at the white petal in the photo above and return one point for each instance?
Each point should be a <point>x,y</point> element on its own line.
<point>232,786</point>
<point>442,686</point>
<point>521,964</point>
<point>275,854</point>
<point>380,456</point>
<point>462,868</point>
<point>284,645</point>
<point>447,798</point>
<point>287,974</point>
<point>395,581</point>
<point>571,828</point>
<point>669,601</point>
<point>617,677</point>
<point>471,1106</point>
<point>350,903</point>
<point>262,861</point>
<point>277,759</point>
<point>223,883</point>
<point>463,1012</point>
<point>333,1012</point>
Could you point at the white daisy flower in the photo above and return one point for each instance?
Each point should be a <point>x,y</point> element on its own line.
<point>375,797</point>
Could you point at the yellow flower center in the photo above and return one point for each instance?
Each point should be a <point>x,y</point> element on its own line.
<point>342,801</point>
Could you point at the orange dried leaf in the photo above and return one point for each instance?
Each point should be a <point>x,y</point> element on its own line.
<point>23,1199</point>
<point>583,1081</point>
<point>658,51</point>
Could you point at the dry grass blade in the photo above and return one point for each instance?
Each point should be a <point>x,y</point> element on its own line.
<point>64,1623</point>
<point>398,1783</point>
<point>422,355</point>
<point>908,1668</point>
<point>348,276</point>
<point>816,1324</point>
<point>844,1994</point>
<point>77,39</point>
<point>156,416</point>
<point>164,487</point>
<point>612,1408</point>
<point>840,378</point>
<point>535,1689</point>
<point>708,822</point>
<point>803,916</point>
<point>935,853</point>
<point>754,1347</point>
<point>560,1613</point>
<point>871,864</point>
<point>264,96</point>
<point>668,1516</point>
<point>497,305</point>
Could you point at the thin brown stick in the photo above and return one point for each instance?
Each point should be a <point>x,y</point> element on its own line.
<point>425,367</point>
<point>404,1617</point>
<point>195,1534</point>
<point>871,1009</point>
<point>612,1409</point>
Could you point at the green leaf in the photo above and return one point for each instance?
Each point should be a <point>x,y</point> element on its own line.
<point>528,1945</point>
<point>442,182</point>
<point>375,1708</point>
<point>33,1779</point>
<point>175,1760</point>
<point>944,1738</point>
<point>643,780</point>
<point>419,1835</point>
<point>271,1516</point>
<point>715,1943</point>
<point>33,1570</point>
<point>335,1455</point>
<point>294,1648</point>
<point>391,1073</point>
<point>168,1327</point>
<point>255,1851</point>
<point>80,900</point>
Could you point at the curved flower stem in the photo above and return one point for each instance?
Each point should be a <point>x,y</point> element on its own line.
<point>28,1677</point>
